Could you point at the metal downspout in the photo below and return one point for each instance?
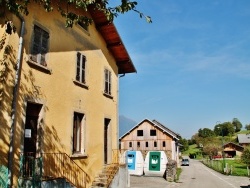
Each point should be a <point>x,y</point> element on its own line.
<point>118,104</point>
<point>14,105</point>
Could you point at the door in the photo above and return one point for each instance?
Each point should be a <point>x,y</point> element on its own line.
<point>30,137</point>
<point>106,128</point>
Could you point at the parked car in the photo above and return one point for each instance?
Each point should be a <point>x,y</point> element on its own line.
<point>185,162</point>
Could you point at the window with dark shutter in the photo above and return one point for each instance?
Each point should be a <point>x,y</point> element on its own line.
<point>39,45</point>
<point>80,68</point>
<point>107,85</point>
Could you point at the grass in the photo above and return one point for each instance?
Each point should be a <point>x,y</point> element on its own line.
<point>234,167</point>
<point>179,170</point>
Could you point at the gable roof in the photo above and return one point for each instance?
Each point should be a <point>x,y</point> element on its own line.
<point>157,124</point>
<point>244,138</point>
<point>113,41</point>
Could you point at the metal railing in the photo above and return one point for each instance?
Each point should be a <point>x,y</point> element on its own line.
<point>52,166</point>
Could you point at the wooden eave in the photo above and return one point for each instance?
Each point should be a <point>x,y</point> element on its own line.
<point>114,42</point>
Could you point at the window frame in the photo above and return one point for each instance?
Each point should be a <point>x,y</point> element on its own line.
<point>107,82</point>
<point>153,132</point>
<point>140,132</point>
<point>40,45</point>
<point>78,136</point>
<point>130,144</point>
<point>80,68</point>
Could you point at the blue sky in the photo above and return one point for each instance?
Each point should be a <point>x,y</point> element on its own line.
<point>192,63</point>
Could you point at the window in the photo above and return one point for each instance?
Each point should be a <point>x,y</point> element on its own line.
<point>155,144</point>
<point>78,133</point>
<point>163,144</point>
<point>80,68</point>
<point>139,132</point>
<point>130,144</point>
<point>146,144</point>
<point>107,85</point>
<point>83,25</point>
<point>152,132</point>
<point>138,144</point>
<point>40,45</point>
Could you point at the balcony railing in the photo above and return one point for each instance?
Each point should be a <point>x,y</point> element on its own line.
<point>52,166</point>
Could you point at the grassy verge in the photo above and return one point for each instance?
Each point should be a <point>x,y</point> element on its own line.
<point>232,167</point>
<point>179,170</point>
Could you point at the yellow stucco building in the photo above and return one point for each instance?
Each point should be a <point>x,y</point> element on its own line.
<point>58,97</point>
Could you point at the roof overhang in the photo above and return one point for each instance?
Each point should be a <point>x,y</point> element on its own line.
<point>113,41</point>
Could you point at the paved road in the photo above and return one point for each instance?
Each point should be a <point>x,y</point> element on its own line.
<point>196,175</point>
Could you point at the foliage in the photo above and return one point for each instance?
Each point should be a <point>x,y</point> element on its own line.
<point>245,157</point>
<point>211,149</point>
<point>247,126</point>
<point>237,124</point>
<point>206,132</point>
<point>184,144</point>
<point>67,9</point>
<point>224,129</point>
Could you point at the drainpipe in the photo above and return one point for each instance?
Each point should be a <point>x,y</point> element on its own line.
<point>118,102</point>
<point>14,105</point>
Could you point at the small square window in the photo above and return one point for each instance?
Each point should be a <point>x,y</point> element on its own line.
<point>152,132</point>
<point>146,144</point>
<point>139,132</point>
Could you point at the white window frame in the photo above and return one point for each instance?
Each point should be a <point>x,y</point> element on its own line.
<point>40,46</point>
<point>107,82</point>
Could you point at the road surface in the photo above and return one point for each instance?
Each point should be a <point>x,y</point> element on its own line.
<point>196,175</point>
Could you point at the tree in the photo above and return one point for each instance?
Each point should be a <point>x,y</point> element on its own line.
<point>68,9</point>
<point>245,157</point>
<point>206,132</point>
<point>237,124</point>
<point>247,126</point>
<point>184,144</point>
<point>224,129</point>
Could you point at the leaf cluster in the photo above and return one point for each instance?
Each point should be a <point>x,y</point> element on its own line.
<point>67,7</point>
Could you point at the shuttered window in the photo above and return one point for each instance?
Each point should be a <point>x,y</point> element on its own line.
<point>40,45</point>
<point>107,84</point>
<point>78,133</point>
<point>80,68</point>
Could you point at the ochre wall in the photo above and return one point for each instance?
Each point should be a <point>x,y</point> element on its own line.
<point>59,95</point>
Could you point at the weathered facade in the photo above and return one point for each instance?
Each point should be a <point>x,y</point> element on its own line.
<point>151,136</point>
<point>59,96</point>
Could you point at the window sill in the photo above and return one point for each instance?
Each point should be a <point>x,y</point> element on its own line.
<point>37,66</point>
<point>78,156</point>
<point>80,84</point>
<point>108,95</point>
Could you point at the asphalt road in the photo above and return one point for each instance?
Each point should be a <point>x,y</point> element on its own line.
<point>196,175</point>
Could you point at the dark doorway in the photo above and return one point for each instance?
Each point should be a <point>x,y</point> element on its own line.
<point>30,136</point>
<point>106,127</point>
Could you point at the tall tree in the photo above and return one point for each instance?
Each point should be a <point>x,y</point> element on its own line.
<point>206,132</point>
<point>67,9</point>
<point>247,126</point>
<point>224,129</point>
<point>184,144</point>
<point>237,124</point>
